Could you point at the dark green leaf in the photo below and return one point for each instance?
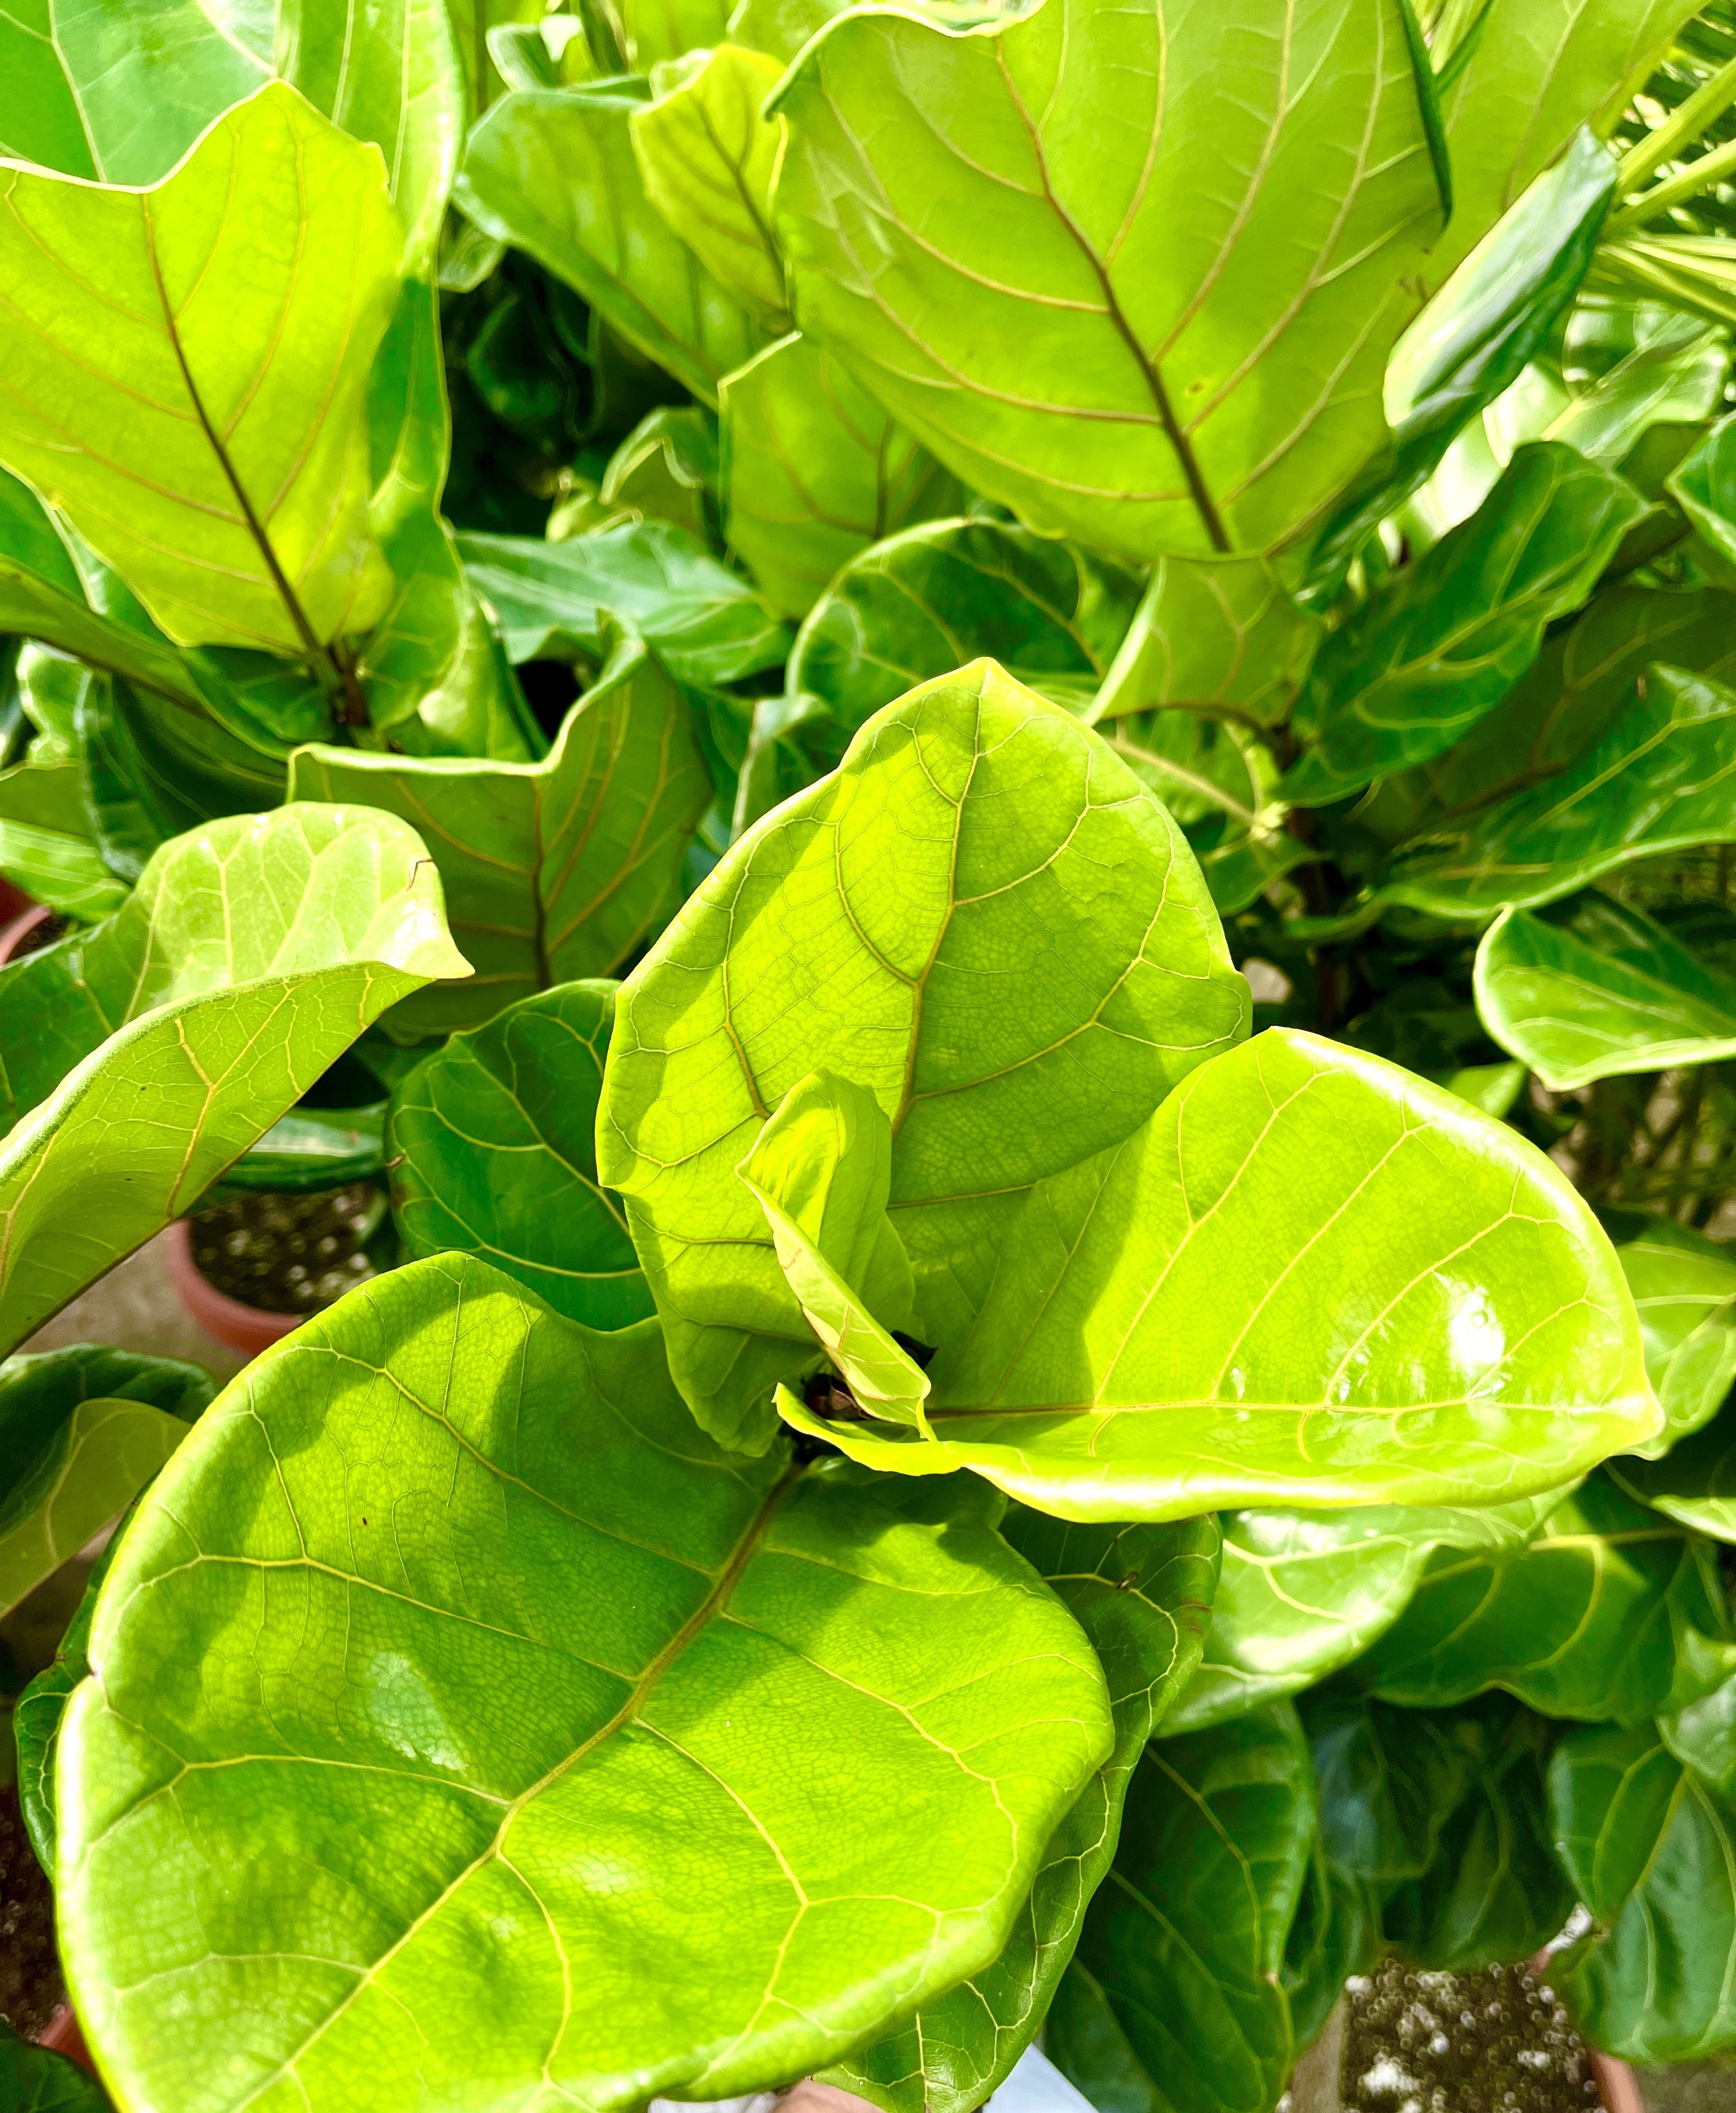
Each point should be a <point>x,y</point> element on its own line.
<point>34,2079</point>
<point>38,1711</point>
<point>1388,1782</point>
<point>1611,1790</point>
<point>492,1142</point>
<point>461,1499</point>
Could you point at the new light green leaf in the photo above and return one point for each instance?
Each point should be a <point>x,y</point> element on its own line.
<point>1428,654</point>
<point>247,959</point>
<point>666,469</point>
<point>1173,1999</point>
<point>187,368</point>
<point>474,1500</point>
<point>1609,1611</point>
<point>821,1168</point>
<point>1694,1483</point>
<point>1658,781</point>
<point>935,597</point>
<point>814,471</point>
<point>83,1431</point>
<point>1174,349</point>
<point>552,172</point>
<point>981,917</point>
<point>1142,1594</point>
<point>709,160</point>
<point>704,622</point>
<point>1217,635</point>
<point>1301,1594</point>
<point>492,1142</point>
<point>551,870</point>
<point>1310,1280</point>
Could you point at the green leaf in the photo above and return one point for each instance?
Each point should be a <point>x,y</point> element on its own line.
<point>1219,780</point>
<point>34,2079</point>
<point>249,958</point>
<point>821,1168</point>
<point>1705,488</point>
<point>1217,635</point>
<point>552,172</point>
<point>1658,1988</point>
<point>1020,298</point>
<point>1494,1893</point>
<point>1611,1792</point>
<point>47,845</point>
<point>709,160</point>
<point>1301,1594</point>
<point>492,1142</point>
<point>1169,1326</point>
<point>662,29</point>
<point>1539,70</point>
<point>551,870</point>
<point>214,449</point>
<point>667,468</point>
<point>1337,1932</point>
<point>704,622</point>
<point>1695,1482</point>
<point>1597,990</point>
<point>1655,783</point>
<point>83,1430</point>
<point>815,472</point>
<point>310,1148</point>
<point>973,833</point>
<point>1177,1978</point>
<point>1429,653</point>
<point>1609,1611</point>
<point>935,597</point>
<point>1142,1594</point>
<point>1684,1290</point>
<point>475,1500</point>
<point>1388,1782</point>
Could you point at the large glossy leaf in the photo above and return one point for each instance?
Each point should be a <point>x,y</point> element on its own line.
<point>1219,636</point>
<point>249,958</point>
<point>493,1150</point>
<point>1250,1299</point>
<point>709,160</point>
<point>553,870</point>
<point>1425,658</point>
<point>1658,1844</point>
<point>814,471</point>
<point>118,94</point>
<point>220,327</point>
<point>1175,1988</point>
<point>1610,1611</point>
<point>983,918</point>
<point>1695,1482</point>
<point>1535,71</point>
<point>1596,990</point>
<point>704,623</point>
<point>1301,1594</point>
<point>1658,781</point>
<point>934,598</point>
<point>552,172</point>
<point>1142,1594</point>
<point>478,1502</point>
<point>1095,337</point>
<point>1684,1289</point>
<point>82,1430</point>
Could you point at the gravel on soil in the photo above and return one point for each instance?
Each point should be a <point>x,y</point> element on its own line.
<point>31,1990</point>
<point>1496,2041</point>
<point>288,1254</point>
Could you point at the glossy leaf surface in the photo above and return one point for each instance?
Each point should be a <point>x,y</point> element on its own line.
<point>814,471</point>
<point>972,832</point>
<point>934,598</point>
<point>1695,1482</point>
<point>1656,781</point>
<point>544,1520</point>
<point>552,871</point>
<point>1684,1290</point>
<point>213,449</point>
<point>1172,1324</point>
<point>1425,658</point>
<point>39,1711</point>
<point>1609,1611</point>
<point>1598,991</point>
<point>704,622</point>
<point>552,172</point>
<point>1219,636</point>
<point>494,1153</point>
<point>1142,1594</point>
<point>249,958</point>
<point>1611,1790</point>
<point>1019,298</point>
<point>1176,1981</point>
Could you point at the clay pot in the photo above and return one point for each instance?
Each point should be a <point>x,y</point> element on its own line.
<point>248,1330</point>
<point>25,922</point>
<point>62,2035</point>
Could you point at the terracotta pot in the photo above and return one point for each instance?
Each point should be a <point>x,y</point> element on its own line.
<point>247,1329</point>
<point>21,927</point>
<point>62,2035</point>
